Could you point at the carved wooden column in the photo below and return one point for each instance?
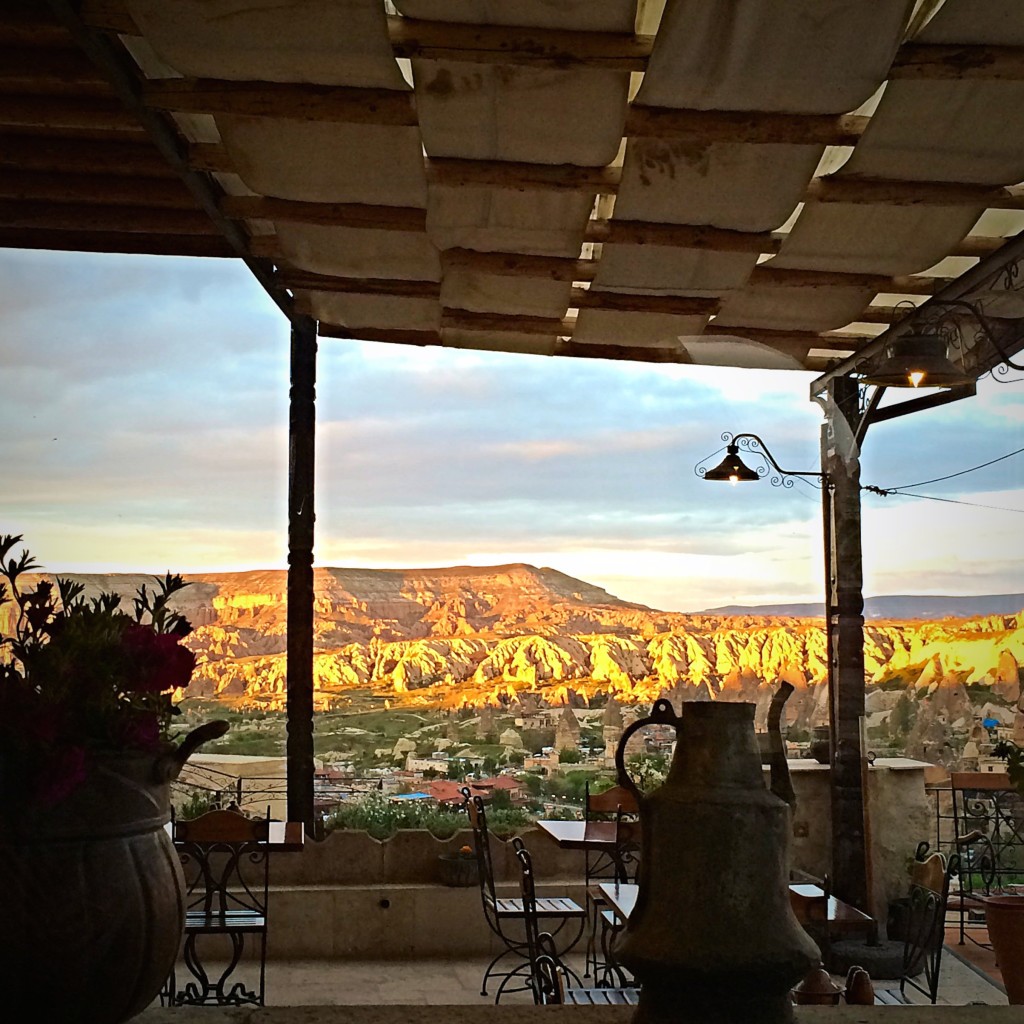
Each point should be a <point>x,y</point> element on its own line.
<point>840,459</point>
<point>301,449</point>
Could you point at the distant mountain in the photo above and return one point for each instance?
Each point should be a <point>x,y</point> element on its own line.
<point>900,607</point>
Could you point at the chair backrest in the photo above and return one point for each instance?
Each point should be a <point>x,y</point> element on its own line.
<point>482,847</point>
<point>988,820</point>
<point>610,802</point>
<point>926,919</point>
<point>547,977</point>
<point>224,857</point>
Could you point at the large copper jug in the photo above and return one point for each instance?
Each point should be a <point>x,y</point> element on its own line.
<point>713,937</point>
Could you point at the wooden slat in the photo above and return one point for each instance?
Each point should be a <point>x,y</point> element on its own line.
<point>32,26</point>
<point>351,215</point>
<point>912,193</point>
<point>391,336</point>
<point>57,112</point>
<point>456,173</point>
<point>512,45</point>
<point>298,280</point>
<point>35,186</point>
<point>109,16</point>
<point>118,156</point>
<point>507,264</point>
<point>82,217</point>
<point>116,242</point>
<point>298,102</point>
<point>930,61</point>
<point>50,71</point>
<point>464,320</point>
<point>683,236</point>
<point>713,126</point>
<point>589,298</point>
<point>633,353</point>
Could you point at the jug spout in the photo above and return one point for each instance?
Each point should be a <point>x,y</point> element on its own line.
<point>781,784</point>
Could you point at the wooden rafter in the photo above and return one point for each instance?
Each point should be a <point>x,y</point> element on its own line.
<point>59,112</point>
<point>78,217</point>
<point>347,215</point>
<point>95,189</point>
<point>115,157</point>
<point>875,191</point>
<point>728,126</point>
<point>283,99</point>
<point>930,61</point>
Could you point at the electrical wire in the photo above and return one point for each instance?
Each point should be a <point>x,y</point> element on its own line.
<point>947,501</point>
<point>938,479</point>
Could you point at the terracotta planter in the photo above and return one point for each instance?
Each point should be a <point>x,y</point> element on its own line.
<point>93,898</point>
<point>1005,918</point>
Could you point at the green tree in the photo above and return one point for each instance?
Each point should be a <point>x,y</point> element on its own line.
<point>569,756</point>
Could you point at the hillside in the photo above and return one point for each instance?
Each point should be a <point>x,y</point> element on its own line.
<point>462,636</point>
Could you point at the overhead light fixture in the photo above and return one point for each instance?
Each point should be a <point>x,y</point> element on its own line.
<point>917,360</point>
<point>732,468</point>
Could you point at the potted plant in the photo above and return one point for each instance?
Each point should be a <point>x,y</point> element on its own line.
<point>459,868</point>
<point>1004,913</point>
<point>93,898</point>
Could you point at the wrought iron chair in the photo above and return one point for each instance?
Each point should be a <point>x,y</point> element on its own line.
<point>619,865</point>
<point>548,976</point>
<point>224,857</point>
<point>988,823</point>
<point>923,925</point>
<point>506,918</point>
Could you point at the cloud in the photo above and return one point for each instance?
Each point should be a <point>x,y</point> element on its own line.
<point>144,425</point>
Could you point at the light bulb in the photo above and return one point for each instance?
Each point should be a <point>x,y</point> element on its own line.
<point>915,377</point>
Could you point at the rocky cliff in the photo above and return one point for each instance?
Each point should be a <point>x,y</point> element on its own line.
<point>468,635</point>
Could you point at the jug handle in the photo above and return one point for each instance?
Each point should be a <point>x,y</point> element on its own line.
<point>781,784</point>
<point>170,764</point>
<point>661,714</point>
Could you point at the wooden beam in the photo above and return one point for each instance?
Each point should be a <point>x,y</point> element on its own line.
<point>936,61</point>
<point>714,126</point>
<point>516,45</point>
<point>912,193</point>
<point>633,353</point>
<point>297,102</point>
<point>346,215</point>
<point>32,71</point>
<point>395,337</point>
<point>678,305</point>
<point>211,157</point>
<point>56,112</point>
<point>681,236</point>
<point>116,242</point>
<point>48,187</point>
<point>32,25</point>
<point>299,280</point>
<point>463,320</point>
<point>828,339</point>
<point>109,16</point>
<point>508,264</point>
<point>767,276</point>
<point>115,157</point>
<point>101,219</point>
<point>456,173</point>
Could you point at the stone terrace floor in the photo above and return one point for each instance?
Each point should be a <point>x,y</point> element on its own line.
<point>457,982</point>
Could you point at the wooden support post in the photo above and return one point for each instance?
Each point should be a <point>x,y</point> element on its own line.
<point>840,459</point>
<point>301,447</point>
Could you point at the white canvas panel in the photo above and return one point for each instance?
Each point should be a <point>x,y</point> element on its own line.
<point>494,293</point>
<point>330,42</point>
<point>499,341</point>
<point>726,350</point>
<point>584,15</point>
<point>795,56</point>
<point>966,131</point>
<point>358,252</point>
<point>504,220</point>
<point>613,327</point>
<point>862,239</point>
<point>316,162</point>
<point>742,187</point>
<point>661,270</point>
<point>793,309</point>
<point>383,312</point>
<point>500,112</point>
<point>981,22</point>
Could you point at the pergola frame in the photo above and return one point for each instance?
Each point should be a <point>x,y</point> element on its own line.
<point>112,127</point>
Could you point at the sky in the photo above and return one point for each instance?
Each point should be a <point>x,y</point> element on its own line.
<point>143,428</point>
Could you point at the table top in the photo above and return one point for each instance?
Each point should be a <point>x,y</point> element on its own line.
<point>842,917</point>
<point>282,836</point>
<point>581,835</point>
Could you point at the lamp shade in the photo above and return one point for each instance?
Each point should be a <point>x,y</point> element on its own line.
<point>732,468</point>
<point>917,360</point>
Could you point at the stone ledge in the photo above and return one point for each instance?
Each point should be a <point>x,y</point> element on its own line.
<point>399,1014</point>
